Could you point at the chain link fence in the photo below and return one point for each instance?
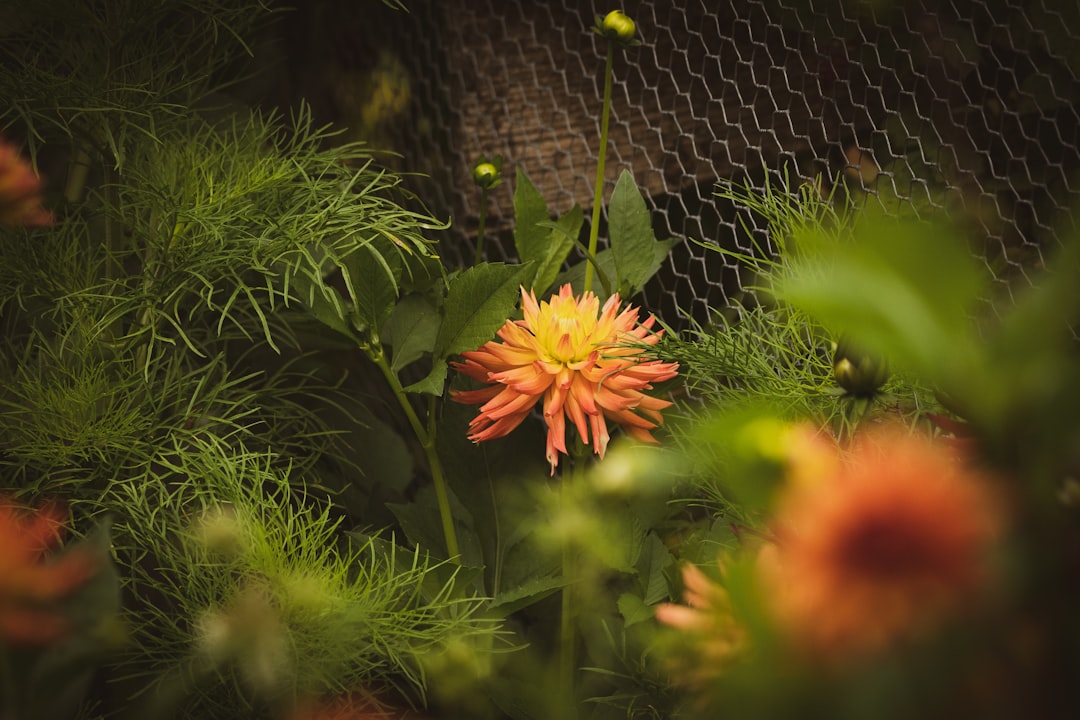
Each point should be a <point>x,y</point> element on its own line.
<point>965,106</point>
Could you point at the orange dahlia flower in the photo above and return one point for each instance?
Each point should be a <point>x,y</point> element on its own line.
<point>708,620</point>
<point>20,191</point>
<point>586,363</point>
<point>29,587</point>
<point>900,536</point>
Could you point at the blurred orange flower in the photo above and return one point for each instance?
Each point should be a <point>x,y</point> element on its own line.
<point>709,622</point>
<point>352,706</point>
<point>586,363</point>
<point>30,585</point>
<point>20,191</point>
<point>881,551</point>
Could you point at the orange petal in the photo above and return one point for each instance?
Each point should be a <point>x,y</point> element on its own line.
<point>31,627</point>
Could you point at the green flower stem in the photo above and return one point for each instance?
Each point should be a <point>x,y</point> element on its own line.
<point>78,170</point>
<point>594,264</point>
<point>567,639</point>
<point>437,476</point>
<point>567,634</point>
<point>483,222</point>
<point>598,192</point>
<point>427,441</point>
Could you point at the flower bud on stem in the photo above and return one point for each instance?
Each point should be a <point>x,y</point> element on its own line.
<point>618,28</point>
<point>598,192</point>
<point>621,31</point>
<point>487,176</point>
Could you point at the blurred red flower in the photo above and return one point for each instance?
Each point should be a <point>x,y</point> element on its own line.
<point>20,191</point>
<point>586,364</point>
<point>899,536</point>
<point>30,584</point>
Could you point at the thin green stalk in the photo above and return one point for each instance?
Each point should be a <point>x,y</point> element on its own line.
<point>483,222</point>
<point>567,634</point>
<point>427,441</point>
<point>598,191</point>
<point>78,170</point>
<point>496,581</point>
<point>439,479</point>
<point>594,265</point>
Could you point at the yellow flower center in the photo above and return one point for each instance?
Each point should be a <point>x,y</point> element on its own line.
<point>565,331</point>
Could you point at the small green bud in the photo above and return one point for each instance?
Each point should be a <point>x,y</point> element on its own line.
<point>858,372</point>
<point>488,174</point>
<point>618,27</point>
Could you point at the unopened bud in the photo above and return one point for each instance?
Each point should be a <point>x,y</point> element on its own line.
<point>618,27</point>
<point>487,174</point>
<point>858,372</point>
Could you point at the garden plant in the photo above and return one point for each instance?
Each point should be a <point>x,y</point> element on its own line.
<point>265,453</point>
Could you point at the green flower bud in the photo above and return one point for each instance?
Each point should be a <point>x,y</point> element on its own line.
<point>617,27</point>
<point>488,174</point>
<point>857,371</point>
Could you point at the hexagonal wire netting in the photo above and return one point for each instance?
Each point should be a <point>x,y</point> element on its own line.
<point>965,105</point>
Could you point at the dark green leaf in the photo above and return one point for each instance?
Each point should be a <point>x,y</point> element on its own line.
<point>371,277</point>
<point>488,478</point>
<point>530,238</point>
<point>623,538</point>
<point>420,520</point>
<point>904,290</point>
<point>520,700</point>
<point>433,382</point>
<point>386,457</point>
<point>575,275</point>
<point>411,330</point>
<point>651,566</point>
<point>606,260</point>
<point>562,236</point>
<point>325,304</point>
<point>632,238</point>
<point>529,592</point>
<point>633,609</point>
<point>479,301</point>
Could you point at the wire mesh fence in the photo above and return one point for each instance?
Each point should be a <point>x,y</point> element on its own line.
<point>963,106</point>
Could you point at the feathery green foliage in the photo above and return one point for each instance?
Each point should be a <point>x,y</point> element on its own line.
<point>106,72</point>
<point>159,366</point>
<point>240,579</point>
<point>769,349</point>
